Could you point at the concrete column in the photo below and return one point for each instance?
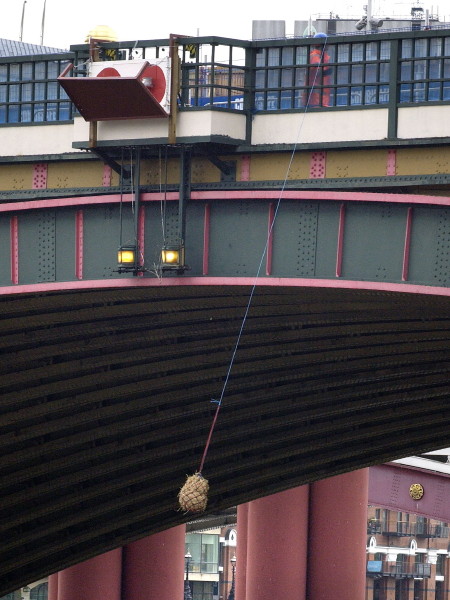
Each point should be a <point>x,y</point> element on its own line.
<point>338,537</point>
<point>53,587</point>
<point>241,550</point>
<point>277,546</point>
<point>97,578</point>
<point>153,568</point>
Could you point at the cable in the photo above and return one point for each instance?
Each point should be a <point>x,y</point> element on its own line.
<point>253,289</point>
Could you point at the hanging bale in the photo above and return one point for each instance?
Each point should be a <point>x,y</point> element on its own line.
<point>193,496</point>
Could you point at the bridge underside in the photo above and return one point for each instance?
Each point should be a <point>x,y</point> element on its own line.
<point>106,404</point>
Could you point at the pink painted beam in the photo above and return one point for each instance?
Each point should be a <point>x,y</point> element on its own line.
<point>231,281</point>
<point>306,195</point>
<point>40,171</point>
<point>79,239</point>
<point>317,165</point>
<point>245,168</point>
<point>391,163</point>
<point>106,177</point>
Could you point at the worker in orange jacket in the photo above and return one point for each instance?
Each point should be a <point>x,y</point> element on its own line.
<point>319,75</point>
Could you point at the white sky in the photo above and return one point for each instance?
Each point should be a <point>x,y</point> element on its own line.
<point>68,21</point>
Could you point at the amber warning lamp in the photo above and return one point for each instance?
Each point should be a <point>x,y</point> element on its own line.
<point>172,258</point>
<point>126,259</point>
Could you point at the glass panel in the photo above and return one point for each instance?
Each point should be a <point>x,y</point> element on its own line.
<point>384,72</point>
<point>300,77</point>
<point>288,56</point>
<point>273,101</point>
<point>342,96</point>
<point>286,77</point>
<point>371,73</point>
<point>3,73</point>
<point>2,114</point>
<point>14,72</point>
<point>39,70</point>
<point>331,51</point>
<point>434,90</point>
<point>286,99</point>
<point>406,71</point>
<point>301,56</point>
<point>273,78</point>
<point>14,93</point>
<point>343,74</point>
<point>420,47</point>
<point>52,90</point>
<point>3,89</point>
<point>27,91</point>
<point>27,71</point>
<point>53,69</point>
<point>357,73</point>
<point>446,68</point>
<point>52,111</point>
<point>343,53</point>
<point>406,49</point>
<point>13,113</point>
<point>357,52</point>
<point>259,100</point>
<point>419,92</point>
<point>356,95</point>
<point>299,98</point>
<point>260,57</point>
<point>372,51</point>
<point>370,95</point>
<point>405,92</point>
<point>39,112</point>
<point>434,69</point>
<point>383,94</point>
<point>25,113</point>
<point>274,57</point>
<point>64,109</point>
<point>385,51</point>
<point>446,90</point>
<point>260,79</point>
<point>435,46</point>
<point>420,67</point>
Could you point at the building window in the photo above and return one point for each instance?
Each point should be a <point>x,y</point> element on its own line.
<point>204,549</point>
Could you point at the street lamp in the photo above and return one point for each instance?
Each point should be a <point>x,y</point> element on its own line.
<point>187,587</point>
<point>233,577</point>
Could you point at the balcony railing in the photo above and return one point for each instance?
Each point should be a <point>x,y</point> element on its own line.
<point>379,568</point>
<point>386,70</point>
<point>406,529</point>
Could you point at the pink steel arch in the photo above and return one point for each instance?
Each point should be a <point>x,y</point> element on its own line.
<point>271,195</point>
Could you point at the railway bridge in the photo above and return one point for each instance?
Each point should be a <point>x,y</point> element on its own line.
<point>221,243</point>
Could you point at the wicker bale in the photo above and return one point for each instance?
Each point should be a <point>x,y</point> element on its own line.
<point>193,496</point>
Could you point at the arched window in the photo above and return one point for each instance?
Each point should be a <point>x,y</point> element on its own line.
<point>39,592</point>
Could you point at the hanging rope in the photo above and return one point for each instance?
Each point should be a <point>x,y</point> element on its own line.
<point>193,495</point>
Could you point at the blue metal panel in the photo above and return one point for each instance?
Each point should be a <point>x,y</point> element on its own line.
<point>430,246</point>
<point>238,237</point>
<point>102,239</point>
<point>294,245</point>
<point>374,242</point>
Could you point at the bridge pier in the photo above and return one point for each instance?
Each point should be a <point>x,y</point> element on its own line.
<point>153,567</point>
<point>99,577</point>
<point>306,542</point>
